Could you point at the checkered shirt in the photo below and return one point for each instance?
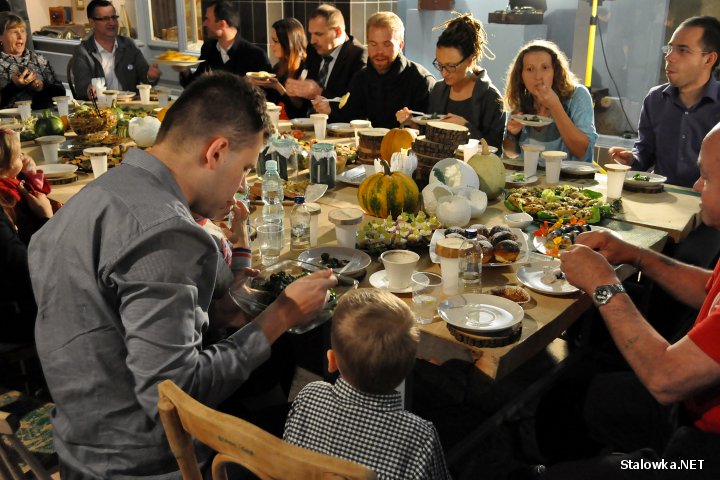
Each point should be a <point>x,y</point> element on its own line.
<point>372,430</point>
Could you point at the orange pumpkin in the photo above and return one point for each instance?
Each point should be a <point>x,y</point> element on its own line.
<point>393,141</point>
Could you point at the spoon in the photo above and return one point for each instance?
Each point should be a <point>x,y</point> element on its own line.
<point>341,100</point>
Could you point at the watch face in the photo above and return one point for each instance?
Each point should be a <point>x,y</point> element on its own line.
<point>602,294</point>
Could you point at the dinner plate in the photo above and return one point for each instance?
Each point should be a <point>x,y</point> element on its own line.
<point>357,259</point>
<point>514,162</point>
<point>178,63</point>
<point>379,280</point>
<point>521,239</point>
<point>10,111</point>
<point>571,166</point>
<point>302,122</point>
<point>125,96</point>
<point>422,120</point>
<point>465,174</point>
<point>355,176</point>
<point>260,75</point>
<point>341,128</point>
<point>655,179</point>
<point>57,170</point>
<point>531,120</point>
<point>478,312</point>
<point>539,242</point>
<point>531,277</point>
<point>526,181</point>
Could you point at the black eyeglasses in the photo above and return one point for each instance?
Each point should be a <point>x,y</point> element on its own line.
<point>106,19</point>
<point>448,67</point>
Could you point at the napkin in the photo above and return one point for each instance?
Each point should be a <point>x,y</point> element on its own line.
<point>403,162</point>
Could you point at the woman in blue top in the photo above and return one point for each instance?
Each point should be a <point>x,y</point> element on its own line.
<point>540,83</point>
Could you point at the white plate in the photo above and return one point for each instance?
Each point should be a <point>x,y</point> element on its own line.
<point>57,170</point>
<point>354,176</point>
<point>178,63</point>
<point>302,122</point>
<point>654,181</point>
<point>468,176</point>
<point>10,111</point>
<point>509,176</point>
<point>358,260</point>
<point>125,96</point>
<point>341,128</point>
<point>530,276</point>
<point>495,313</point>
<point>521,239</point>
<point>531,120</point>
<point>260,75</point>
<point>539,242</point>
<point>571,166</point>
<point>379,280</point>
<point>422,120</point>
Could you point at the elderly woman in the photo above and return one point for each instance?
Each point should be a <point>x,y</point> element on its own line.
<point>288,43</point>
<point>540,83</point>
<point>24,74</point>
<point>466,95</point>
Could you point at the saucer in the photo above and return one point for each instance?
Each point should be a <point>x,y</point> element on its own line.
<point>379,280</point>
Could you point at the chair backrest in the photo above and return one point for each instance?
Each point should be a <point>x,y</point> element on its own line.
<point>237,441</point>
<point>70,81</point>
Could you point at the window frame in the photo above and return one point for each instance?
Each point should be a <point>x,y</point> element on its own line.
<point>182,44</point>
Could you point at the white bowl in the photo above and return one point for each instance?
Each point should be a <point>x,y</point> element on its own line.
<point>518,220</point>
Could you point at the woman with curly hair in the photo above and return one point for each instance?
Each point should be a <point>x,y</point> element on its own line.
<point>540,83</point>
<point>466,95</point>
<point>289,45</point>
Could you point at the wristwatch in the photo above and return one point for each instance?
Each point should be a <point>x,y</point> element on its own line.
<point>604,293</point>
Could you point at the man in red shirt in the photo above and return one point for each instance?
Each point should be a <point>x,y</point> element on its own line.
<point>686,372</point>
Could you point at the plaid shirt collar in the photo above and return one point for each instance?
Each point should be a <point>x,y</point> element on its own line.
<point>389,402</point>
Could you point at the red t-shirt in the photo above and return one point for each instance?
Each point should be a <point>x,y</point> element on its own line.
<point>705,407</point>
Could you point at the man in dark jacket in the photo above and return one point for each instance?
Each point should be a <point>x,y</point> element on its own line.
<point>105,54</point>
<point>334,58</point>
<point>388,83</point>
<point>225,49</point>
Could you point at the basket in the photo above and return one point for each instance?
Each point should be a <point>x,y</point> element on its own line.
<point>84,122</point>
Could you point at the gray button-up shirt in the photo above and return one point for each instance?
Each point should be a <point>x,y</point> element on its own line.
<point>670,134</point>
<point>124,278</point>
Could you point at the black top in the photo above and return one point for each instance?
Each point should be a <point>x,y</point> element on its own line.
<point>17,304</point>
<point>351,59</point>
<point>290,109</point>
<point>377,97</point>
<point>244,57</point>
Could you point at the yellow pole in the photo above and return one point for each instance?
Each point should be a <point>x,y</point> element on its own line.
<point>591,44</point>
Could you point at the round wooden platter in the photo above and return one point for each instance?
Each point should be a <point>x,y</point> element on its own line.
<point>424,146</point>
<point>65,179</point>
<point>446,133</point>
<point>490,339</point>
<point>657,188</point>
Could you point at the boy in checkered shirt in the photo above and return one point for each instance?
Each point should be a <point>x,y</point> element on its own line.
<point>360,417</point>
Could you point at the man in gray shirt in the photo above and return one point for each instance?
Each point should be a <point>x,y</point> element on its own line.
<point>127,283</point>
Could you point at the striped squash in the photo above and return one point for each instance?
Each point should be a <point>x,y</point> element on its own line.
<point>388,193</point>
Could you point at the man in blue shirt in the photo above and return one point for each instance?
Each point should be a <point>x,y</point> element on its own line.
<point>677,115</point>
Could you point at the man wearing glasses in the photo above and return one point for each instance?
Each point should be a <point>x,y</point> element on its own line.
<point>388,83</point>
<point>677,115</point>
<point>105,54</point>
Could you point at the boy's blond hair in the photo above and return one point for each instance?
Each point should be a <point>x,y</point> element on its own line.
<point>387,20</point>
<point>375,339</point>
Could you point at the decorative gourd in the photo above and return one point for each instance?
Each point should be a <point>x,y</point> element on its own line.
<point>49,124</point>
<point>477,198</point>
<point>432,194</point>
<point>393,141</point>
<point>490,170</point>
<point>143,130</point>
<point>388,193</point>
<point>454,211</point>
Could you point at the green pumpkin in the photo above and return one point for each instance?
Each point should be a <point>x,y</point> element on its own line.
<point>490,170</point>
<point>49,124</point>
<point>388,193</point>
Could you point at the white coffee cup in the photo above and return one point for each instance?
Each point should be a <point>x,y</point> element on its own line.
<point>553,163</point>
<point>615,179</point>
<point>98,159</point>
<point>531,153</point>
<point>144,93</point>
<point>50,144</point>
<point>320,124</point>
<point>399,267</point>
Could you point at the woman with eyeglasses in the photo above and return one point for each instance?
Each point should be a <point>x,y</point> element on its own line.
<point>24,74</point>
<point>540,84</point>
<point>289,46</point>
<point>466,95</point>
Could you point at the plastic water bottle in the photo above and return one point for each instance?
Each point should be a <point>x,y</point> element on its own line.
<point>470,267</point>
<point>272,195</point>
<point>299,225</point>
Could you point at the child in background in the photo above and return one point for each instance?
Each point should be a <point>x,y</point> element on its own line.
<point>360,417</point>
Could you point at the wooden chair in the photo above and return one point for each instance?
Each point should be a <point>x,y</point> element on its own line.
<point>240,442</point>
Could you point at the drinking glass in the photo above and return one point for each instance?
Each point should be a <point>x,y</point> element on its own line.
<point>270,240</point>
<point>426,291</point>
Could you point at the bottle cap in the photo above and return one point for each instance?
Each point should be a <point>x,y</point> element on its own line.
<point>470,233</point>
<point>271,165</point>
<point>299,200</point>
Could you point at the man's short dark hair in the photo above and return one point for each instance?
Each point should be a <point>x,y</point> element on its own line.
<point>711,33</point>
<point>96,4</point>
<point>225,10</point>
<point>217,103</point>
<point>332,15</point>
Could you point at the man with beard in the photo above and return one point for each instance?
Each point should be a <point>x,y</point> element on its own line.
<point>333,60</point>
<point>678,114</point>
<point>127,284</point>
<point>388,83</point>
<point>225,49</point>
